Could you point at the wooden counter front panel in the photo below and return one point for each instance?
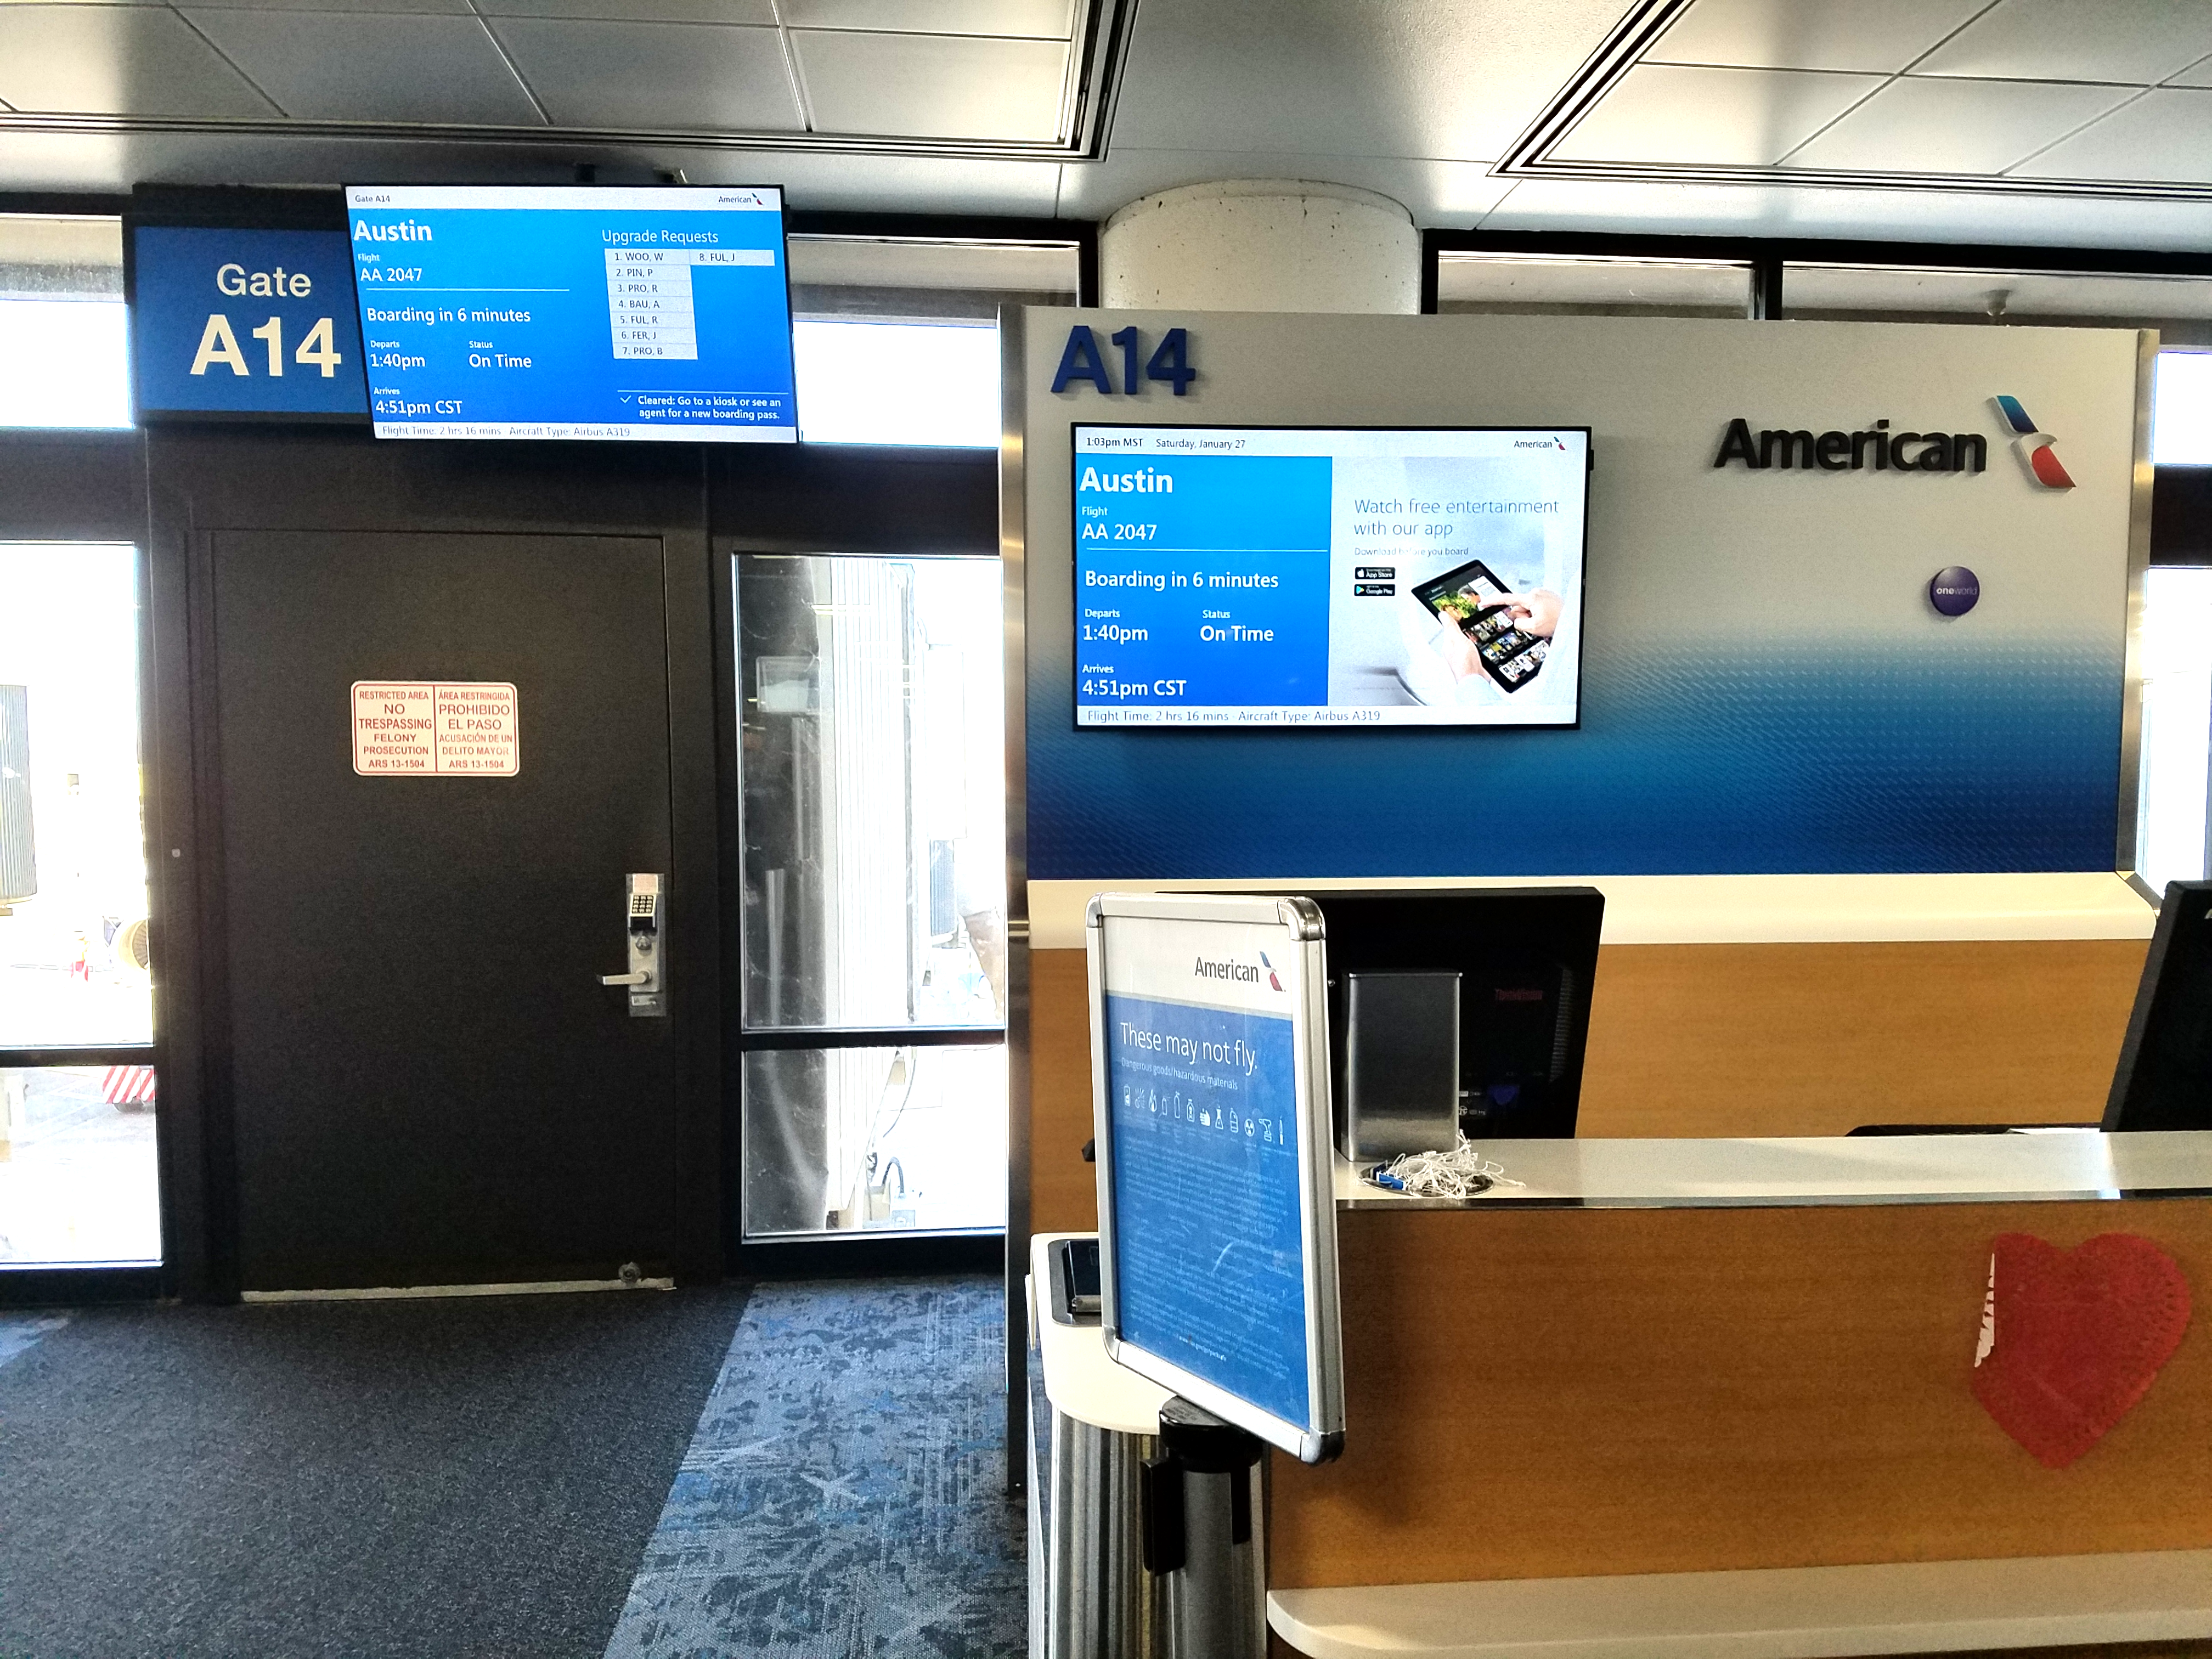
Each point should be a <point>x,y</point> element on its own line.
<point>1566,1391</point>
<point>1728,1039</point>
<point>1723,1040</point>
<point>1063,1188</point>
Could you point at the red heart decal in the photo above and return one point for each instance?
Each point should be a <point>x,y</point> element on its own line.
<point>2071,1339</point>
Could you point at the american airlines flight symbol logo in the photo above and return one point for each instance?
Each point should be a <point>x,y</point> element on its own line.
<point>1238,973</point>
<point>2031,444</point>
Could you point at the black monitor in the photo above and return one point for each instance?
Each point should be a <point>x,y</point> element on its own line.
<point>1526,960</point>
<point>2164,1080</point>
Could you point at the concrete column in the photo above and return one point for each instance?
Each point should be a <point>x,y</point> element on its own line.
<point>1261,245</point>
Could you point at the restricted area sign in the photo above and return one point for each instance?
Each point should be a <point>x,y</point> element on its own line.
<point>424,728</point>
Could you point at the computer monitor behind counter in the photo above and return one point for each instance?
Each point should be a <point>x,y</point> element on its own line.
<point>2163,1079</point>
<point>1512,966</point>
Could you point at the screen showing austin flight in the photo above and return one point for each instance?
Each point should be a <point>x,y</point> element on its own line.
<point>574,312</point>
<point>1339,577</point>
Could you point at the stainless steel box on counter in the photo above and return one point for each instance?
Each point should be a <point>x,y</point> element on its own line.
<point>1401,1065</point>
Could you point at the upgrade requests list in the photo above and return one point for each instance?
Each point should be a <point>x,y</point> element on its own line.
<point>624,314</point>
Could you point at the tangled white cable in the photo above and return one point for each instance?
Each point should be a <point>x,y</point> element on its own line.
<point>1461,1172</point>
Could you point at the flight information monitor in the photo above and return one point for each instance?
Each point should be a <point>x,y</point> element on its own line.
<point>1331,577</point>
<point>1217,1217</point>
<point>574,312</point>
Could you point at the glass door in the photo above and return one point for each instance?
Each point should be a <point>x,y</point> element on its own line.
<point>872,763</point>
<point>79,1180</point>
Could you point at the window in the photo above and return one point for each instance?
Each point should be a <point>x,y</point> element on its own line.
<point>871,693</point>
<point>896,340</point>
<point>73,900</point>
<point>875,381</point>
<point>80,1183</point>
<point>64,336</point>
<point>77,1159</point>
<point>2181,410</point>
<point>1559,285</point>
<point>2177,725</point>
<point>2180,307</point>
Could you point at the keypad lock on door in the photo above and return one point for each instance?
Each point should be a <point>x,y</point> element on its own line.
<point>646,978</point>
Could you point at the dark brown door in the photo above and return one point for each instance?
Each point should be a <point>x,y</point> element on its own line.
<point>427,1083</point>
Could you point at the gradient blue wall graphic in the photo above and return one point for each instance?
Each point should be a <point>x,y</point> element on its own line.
<point>1766,687</point>
<point>1785,757</point>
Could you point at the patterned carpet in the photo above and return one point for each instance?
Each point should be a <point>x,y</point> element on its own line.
<point>844,1495</point>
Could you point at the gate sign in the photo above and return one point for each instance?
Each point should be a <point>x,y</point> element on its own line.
<point>244,322</point>
<point>423,727</point>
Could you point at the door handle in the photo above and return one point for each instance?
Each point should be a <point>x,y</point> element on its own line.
<point>642,922</point>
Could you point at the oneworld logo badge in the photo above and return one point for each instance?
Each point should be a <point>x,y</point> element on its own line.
<point>2032,444</point>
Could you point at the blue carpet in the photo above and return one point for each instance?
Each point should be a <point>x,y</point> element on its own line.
<point>844,1495</point>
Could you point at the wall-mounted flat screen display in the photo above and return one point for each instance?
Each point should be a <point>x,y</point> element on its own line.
<point>1343,576</point>
<point>574,312</point>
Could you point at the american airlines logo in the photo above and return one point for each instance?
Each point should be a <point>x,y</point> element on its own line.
<point>2032,444</point>
<point>1238,973</point>
<point>1880,447</point>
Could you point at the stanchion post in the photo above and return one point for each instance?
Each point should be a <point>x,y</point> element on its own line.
<point>1199,1537</point>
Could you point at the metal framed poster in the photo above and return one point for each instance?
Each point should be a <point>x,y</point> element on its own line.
<point>1209,1044</point>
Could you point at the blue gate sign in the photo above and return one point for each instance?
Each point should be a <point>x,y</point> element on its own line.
<point>250,323</point>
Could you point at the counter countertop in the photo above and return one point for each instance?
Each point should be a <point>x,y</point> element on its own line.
<point>2066,904</point>
<point>1079,1378</point>
<point>1776,1613</point>
<point>1835,1169</point>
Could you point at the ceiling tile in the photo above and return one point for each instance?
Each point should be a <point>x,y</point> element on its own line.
<point>1718,117</point>
<point>352,66</point>
<point>2163,137</point>
<point>932,86</point>
<point>674,77</point>
<point>1434,192</point>
<point>450,8</point>
<point>1916,125</point>
<point>116,60</point>
<point>1349,77</point>
<point>637,11</point>
<point>2133,42</point>
<point>1042,20</point>
<point>1809,34</point>
<point>880,184</point>
<point>1859,214</point>
<point>2196,75</point>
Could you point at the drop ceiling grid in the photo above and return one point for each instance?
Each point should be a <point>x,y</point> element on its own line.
<point>1001,71</point>
<point>1950,94</point>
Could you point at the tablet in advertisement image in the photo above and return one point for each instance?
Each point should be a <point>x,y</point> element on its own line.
<point>1328,577</point>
